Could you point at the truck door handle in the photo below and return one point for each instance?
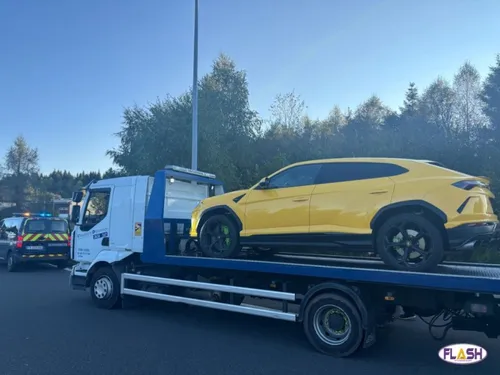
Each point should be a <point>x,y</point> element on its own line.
<point>379,192</point>
<point>300,199</point>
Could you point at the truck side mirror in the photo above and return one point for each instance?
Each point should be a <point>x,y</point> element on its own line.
<point>75,214</point>
<point>77,196</point>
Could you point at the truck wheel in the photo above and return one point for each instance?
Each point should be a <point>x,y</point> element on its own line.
<point>105,288</point>
<point>333,325</point>
<point>11,262</point>
<point>410,242</point>
<point>219,237</point>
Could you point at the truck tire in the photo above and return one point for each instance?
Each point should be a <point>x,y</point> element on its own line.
<point>415,233</point>
<point>333,325</point>
<point>219,237</point>
<point>11,262</point>
<point>105,288</point>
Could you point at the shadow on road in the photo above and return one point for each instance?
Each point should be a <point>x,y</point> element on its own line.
<point>31,267</point>
<point>403,343</point>
<point>43,308</point>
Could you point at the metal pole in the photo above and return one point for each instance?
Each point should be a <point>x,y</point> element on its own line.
<point>194,147</point>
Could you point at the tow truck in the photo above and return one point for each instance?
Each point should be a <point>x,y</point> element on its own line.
<point>131,243</point>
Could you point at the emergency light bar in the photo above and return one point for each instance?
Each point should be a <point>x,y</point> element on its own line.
<point>189,171</point>
<point>29,214</point>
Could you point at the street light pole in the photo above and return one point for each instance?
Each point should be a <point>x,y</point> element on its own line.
<point>194,145</point>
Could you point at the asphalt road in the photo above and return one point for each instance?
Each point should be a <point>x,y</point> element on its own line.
<point>46,328</point>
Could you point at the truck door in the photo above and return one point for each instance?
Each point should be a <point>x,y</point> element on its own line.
<point>92,235</point>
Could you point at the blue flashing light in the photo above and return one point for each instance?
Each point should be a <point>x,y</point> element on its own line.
<point>28,214</point>
<point>41,214</point>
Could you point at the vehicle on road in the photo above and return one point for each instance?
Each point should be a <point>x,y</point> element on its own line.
<point>409,212</point>
<point>131,243</point>
<point>34,238</point>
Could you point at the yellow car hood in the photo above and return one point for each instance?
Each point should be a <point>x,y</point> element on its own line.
<point>226,198</point>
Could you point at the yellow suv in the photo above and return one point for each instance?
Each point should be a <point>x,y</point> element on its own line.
<point>410,212</point>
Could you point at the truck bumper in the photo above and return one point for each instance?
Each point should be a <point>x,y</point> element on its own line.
<point>41,258</point>
<point>77,281</point>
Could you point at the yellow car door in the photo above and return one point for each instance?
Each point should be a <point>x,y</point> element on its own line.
<point>282,206</point>
<point>349,194</point>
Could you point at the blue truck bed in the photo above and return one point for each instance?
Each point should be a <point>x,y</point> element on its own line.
<point>475,278</point>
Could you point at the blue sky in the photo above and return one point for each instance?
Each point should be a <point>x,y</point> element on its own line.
<point>68,68</point>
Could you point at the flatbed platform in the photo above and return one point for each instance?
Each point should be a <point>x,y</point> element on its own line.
<point>451,276</point>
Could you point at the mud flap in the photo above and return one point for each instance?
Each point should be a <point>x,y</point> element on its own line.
<point>370,337</point>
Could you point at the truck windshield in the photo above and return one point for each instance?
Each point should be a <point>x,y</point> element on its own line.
<point>46,226</point>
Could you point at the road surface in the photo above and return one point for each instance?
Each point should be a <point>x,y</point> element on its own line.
<point>46,328</point>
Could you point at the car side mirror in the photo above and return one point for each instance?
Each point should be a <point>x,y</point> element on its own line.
<point>75,214</point>
<point>264,184</point>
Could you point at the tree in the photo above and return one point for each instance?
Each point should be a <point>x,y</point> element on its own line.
<point>437,106</point>
<point>372,113</point>
<point>21,163</point>
<point>287,111</point>
<point>411,102</point>
<point>160,133</point>
<point>21,159</point>
<point>468,105</point>
<point>490,95</point>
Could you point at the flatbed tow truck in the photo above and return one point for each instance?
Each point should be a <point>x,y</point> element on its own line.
<point>131,243</point>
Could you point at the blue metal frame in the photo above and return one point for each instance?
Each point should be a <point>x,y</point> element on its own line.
<point>154,236</point>
<point>154,252</point>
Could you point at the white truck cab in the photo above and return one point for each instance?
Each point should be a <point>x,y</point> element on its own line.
<point>109,214</point>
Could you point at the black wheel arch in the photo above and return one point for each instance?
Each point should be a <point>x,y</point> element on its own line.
<point>340,289</point>
<point>407,206</point>
<point>117,267</point>
<point>220,209</point>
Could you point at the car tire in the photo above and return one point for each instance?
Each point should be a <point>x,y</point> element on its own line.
<point>413,229</point>
<point>341,343</point>
<point>219,237</point>
<point>11,262</point>
<point>105,289</point>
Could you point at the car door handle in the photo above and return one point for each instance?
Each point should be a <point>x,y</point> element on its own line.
<point>379,192</point>
<point>300,199</point>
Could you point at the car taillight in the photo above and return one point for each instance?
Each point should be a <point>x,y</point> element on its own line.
<point>19,242</point>
<point>470,184</point>
<point>69,241</point>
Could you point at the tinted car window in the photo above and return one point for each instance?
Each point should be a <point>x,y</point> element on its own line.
<point>341,172</point>
<point>301,175</point>
<point>45,226</point>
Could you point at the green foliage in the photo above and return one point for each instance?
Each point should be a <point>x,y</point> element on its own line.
<point>21,161</point>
